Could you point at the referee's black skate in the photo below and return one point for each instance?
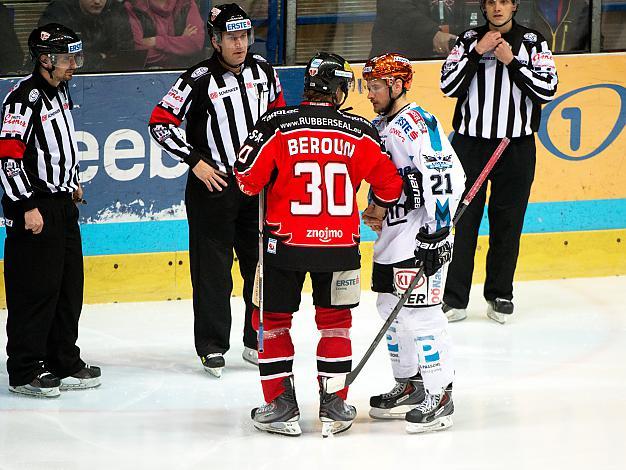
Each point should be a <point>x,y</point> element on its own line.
<point>87,377</point>
<point>335,414</point>
<point>433,414</point>
<point>45,385</point>
<point>499,310</point>
<point>281,416</point>
<point>213,363</point>
<point>405,395</point>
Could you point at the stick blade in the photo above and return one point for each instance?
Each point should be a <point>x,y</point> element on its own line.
<point>334,384</point>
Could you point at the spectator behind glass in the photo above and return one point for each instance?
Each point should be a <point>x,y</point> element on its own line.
<point>11,56</point>
<point>414,28</point>
<point>172,31</point>
<point>102,25</point>
<point>564,23</point>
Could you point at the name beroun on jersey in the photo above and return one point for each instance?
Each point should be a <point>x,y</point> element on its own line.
<point>325,146</point>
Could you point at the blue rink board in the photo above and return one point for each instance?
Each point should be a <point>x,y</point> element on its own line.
<point>172,235</point>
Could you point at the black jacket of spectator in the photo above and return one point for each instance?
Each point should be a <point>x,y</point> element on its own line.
<point>404,26</point>
<point>103,35</point>
<point>572,33</point>
<point>11,56</point>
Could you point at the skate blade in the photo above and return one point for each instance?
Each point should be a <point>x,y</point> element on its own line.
<point>286,428</point>
<point>52,392</point>
<point>456,315</point>
<point>438,425</point>
<point>214,371</point>
<point>79,384</point>
<point>399,412</point>
<point>330,427</point>
<point>498,317</point>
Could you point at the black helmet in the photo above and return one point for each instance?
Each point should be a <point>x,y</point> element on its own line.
<point>229,17</point>
<point>54,38</point>
<point>327,72</point>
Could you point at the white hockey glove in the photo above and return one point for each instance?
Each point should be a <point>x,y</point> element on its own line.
<point>413,190</point>
<point>432,250</point>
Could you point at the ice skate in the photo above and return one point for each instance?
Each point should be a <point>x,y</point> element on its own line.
<point>499,310</point>
<point>45,385</point>
<point>87,377</point>
<point>454,314</point>
<point>250,355</point>
<point>404,396</point>
<point>433,414</point>
<point>213,364</point>
<point>281,415</point>
<point>335,414</point>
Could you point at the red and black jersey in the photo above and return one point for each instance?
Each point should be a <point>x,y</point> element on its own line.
<point>313,159</point>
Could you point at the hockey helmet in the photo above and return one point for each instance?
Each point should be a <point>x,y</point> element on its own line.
<point>389,67</point>
<point>56,41</point>
<point>226,18</point>
<point>326,72</point>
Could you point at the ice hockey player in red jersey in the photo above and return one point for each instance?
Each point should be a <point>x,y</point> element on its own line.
<point>415,232</point>
<point>311,159</point>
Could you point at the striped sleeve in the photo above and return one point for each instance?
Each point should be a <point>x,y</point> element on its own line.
<point>539,79</point>
<point>459,68</point>
<point>16,129</point>
<point>166,118</point>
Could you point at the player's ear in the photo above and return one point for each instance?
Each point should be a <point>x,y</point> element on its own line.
<point>44,61</point>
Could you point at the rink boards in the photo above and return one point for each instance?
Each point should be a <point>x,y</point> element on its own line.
<point>134,227</point>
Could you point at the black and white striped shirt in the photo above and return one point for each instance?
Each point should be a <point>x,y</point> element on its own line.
<point>38,150</point>
<point>220,108</point>
<point>497,100</point>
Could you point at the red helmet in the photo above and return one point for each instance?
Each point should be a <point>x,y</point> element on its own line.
<point>389,67</point>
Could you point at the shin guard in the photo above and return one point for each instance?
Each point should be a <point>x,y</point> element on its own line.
<point>276,360</point>
<point>334,350</point>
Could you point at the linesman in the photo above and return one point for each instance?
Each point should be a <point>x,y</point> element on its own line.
<point>501,74</point>
<point>43,258</point>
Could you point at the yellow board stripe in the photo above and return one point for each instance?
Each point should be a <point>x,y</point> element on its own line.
<point>165,276</point>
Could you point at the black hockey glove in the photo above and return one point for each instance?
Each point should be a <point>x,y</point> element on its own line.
<point>432,250</point>
<point>413,190</point>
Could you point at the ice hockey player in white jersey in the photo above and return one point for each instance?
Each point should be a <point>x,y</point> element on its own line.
<point>415,232</point>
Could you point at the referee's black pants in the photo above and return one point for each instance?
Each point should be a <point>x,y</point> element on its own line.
<point>510,183</point>
<point>218,223</point>
<point>43,277</point>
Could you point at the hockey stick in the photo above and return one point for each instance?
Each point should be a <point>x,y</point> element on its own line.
<point>334,384</point>
<point>260,92</point>
<point>260,267</point>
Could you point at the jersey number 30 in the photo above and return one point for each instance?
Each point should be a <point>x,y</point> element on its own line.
<point>331,174</point>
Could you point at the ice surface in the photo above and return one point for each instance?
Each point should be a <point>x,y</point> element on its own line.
<point>546,391</point>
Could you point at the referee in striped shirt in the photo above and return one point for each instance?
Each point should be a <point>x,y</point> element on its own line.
<point>221,99</point>
<point>501,74</point>
<point>43,259</point>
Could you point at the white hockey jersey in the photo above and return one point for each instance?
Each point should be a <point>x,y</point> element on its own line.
<point>416,141</point>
